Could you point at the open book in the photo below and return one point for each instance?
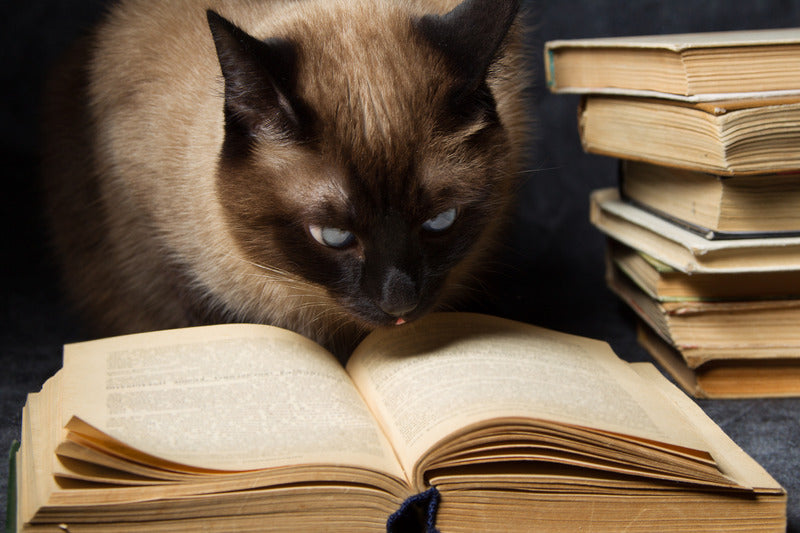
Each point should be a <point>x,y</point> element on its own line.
<point>242,427</point>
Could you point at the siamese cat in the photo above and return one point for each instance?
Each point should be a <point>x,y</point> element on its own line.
<point>326,166</point>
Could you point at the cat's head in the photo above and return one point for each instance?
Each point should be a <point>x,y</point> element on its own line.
<point>365,152</point>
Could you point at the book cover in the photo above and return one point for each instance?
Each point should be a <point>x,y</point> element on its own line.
<point>664,283</point>
<point>11,489</point>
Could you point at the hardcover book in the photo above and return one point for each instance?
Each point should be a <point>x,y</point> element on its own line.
<point>685,250</point>
<point>694,66</point>
<point>717,206</point>
<point>729,137</point>
<point>667,284</point>
<point>724,379</point>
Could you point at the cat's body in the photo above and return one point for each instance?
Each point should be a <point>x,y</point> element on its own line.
<point>350,173</point>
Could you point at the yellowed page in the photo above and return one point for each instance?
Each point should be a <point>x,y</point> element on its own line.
<point>233,397</point>
<point>731,459</point>
<point>39,435</point>
<point>28,483</point>
<point>432,378</point>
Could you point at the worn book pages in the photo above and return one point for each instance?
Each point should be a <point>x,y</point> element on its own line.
<point>664,283</point>
<point>718,207</point>
<point>690,67</point>
<point>685,250</point>
<point>212,419</point>
<point>686,41</point>
<point>713,331</point>
<point>228,427</point>
<point>732,458</point>
<point>201,399</point>
<point>732,378</point>
<point>599,498</point>
<point>496,378</point>
<point>729,137</point>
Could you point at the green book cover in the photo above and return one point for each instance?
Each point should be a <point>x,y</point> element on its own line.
<point>11,502</point>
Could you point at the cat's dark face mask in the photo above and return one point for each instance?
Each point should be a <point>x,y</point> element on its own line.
<point>388,259</point>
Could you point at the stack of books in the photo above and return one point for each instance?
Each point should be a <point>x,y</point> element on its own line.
<point>704,228</point>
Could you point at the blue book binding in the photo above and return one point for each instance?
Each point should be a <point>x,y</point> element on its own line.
<point>417,514</point>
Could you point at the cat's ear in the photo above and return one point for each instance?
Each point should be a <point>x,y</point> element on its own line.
<point>470,36</point>
<point>259,81</point>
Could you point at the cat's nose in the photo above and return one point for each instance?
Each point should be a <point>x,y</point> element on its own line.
<point>398,293</point>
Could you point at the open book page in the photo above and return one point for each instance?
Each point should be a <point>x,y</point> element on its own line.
<point>233,397</point>
<point>432,378</point>
<point>732,460</point>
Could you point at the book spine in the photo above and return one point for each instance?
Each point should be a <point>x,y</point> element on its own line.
<point>11,489</point>
<point>418,513</point>
<point>550,69</point>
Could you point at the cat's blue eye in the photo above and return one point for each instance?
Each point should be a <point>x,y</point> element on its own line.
<point>442,221</point>
<point>333,237</point>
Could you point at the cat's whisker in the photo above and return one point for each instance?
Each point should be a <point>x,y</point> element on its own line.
<point>284,282</point>
<point>266,268</point>
<point>536,170</point>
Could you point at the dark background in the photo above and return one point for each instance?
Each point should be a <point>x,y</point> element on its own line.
<point>554,276</point>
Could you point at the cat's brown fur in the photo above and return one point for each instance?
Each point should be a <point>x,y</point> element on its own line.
<point>159,223</point>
